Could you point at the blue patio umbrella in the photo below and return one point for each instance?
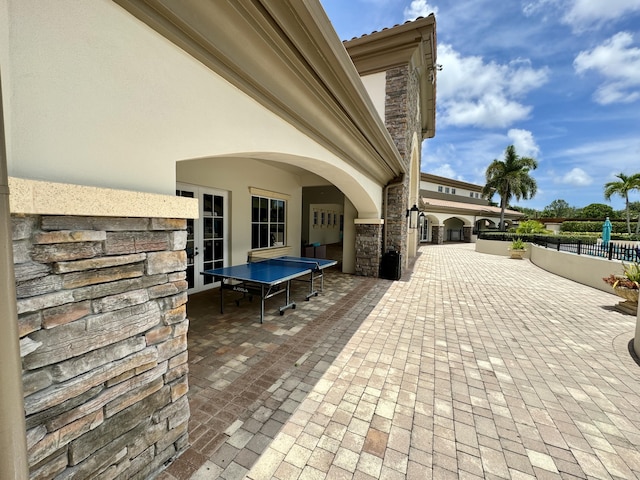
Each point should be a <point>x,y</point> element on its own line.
<point>606,231</point>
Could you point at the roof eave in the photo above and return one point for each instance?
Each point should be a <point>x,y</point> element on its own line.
<point>296,67</point>
<point>413,42</point>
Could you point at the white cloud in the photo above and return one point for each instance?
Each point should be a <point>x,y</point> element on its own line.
<point>581,14</point>
<point>586,13</point>
<point>523,140</point>
<point>576,177</point>
<point>618,61</point>
<point>537,7</point>
<point>444,170</point>
<point>472,92</point>
<point>419,8</point>
<point>603,157</point>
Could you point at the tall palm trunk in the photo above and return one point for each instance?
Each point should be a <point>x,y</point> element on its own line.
<point>503,206</point>
<point>626,199</point>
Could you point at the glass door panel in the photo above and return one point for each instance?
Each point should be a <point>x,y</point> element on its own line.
<point>206,236</point>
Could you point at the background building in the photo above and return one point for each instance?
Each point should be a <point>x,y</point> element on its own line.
<point>454,211</point>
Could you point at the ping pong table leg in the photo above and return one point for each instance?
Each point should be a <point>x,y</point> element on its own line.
<point>312,291</point>
<point>289,303</point>
<point>222,295</point>
<point>261,303</point>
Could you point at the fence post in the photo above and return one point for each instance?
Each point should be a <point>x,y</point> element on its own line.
<point>610,250</point>
<point>579,246</point>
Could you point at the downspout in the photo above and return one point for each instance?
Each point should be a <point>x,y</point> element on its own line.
<point>13,443</point>
<point>394,183</point>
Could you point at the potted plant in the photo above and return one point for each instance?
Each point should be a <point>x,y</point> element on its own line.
<point>627,286</point>
<point>518,249</point>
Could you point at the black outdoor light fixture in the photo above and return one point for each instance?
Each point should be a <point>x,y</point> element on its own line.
<point>413,216</point>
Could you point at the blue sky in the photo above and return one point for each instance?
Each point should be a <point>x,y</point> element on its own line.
<point>559,79</point>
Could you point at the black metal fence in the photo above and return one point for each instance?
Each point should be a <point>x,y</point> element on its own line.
<point>610,251</point>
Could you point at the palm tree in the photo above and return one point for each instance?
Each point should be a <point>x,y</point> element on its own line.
<point>510,178</point>
<point>626,184</point>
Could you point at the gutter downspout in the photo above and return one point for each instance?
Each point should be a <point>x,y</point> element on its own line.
<point>13,440</point>
<point>394,183</point>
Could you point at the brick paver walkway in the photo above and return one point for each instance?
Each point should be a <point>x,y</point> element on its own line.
<point>472,366</point>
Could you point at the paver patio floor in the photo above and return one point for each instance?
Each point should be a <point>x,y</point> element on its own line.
<point>470,366</point>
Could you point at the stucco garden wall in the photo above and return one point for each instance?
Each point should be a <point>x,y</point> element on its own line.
<point>584,269</point>
<point>102,320</point>
<point>494,247</point>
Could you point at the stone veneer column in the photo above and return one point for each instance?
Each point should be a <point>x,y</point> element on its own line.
<point>396,222</point>
<point>437,234</point>
<point>368,248</point>
<point>466,233</point>
<point>403,122</point>
<point>102,320</point>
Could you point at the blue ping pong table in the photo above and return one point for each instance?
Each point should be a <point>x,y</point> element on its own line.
<point>269,277</point>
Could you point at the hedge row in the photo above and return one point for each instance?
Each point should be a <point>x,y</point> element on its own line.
<point>529,237</point>
<point>592,227</point>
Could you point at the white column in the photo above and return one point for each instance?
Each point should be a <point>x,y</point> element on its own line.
<point>636,339</point>
<point>13,440</point>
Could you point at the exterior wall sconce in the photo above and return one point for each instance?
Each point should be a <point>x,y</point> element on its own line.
<point>413,216</point>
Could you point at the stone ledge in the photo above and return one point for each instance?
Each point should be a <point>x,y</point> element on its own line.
<point>48,198</point>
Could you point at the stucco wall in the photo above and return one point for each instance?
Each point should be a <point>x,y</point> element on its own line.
<point>583,269</point>
<point>224,174</point>
<point>376,88</point>
<point>95,93</point>
<point>494,247</point>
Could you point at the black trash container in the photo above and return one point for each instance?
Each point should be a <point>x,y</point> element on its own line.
<point>390,265</point>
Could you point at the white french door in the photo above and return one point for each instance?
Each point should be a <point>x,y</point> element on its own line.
<point>206,236</point>
<point>424,229</point>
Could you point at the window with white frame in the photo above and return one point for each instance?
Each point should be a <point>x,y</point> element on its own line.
<point>440,188</point>
<point>268,222</point>
<point>453,191</point>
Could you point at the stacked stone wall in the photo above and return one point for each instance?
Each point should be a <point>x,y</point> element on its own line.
<point>466,232</point>
<point>437,234</point>
<point>402,119</point>
<point>397,110</point>
<point>102,319</point>
<point>396,220</point>
<point>368,247</point>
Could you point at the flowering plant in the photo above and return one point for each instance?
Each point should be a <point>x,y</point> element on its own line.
<point>630,279</point>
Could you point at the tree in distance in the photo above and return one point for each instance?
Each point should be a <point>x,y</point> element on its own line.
<point>510,178</point>
<point>559,209</point>
<point>623,187</point>
<point>597,210</point>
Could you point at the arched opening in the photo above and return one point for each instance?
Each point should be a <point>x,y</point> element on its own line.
<point>225,234</point>
<point>484,225</point>
<point>454,229</point>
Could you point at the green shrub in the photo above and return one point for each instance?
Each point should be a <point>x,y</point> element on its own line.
<point>518,244</point>
<point>632,271</point>
<point>585,238</point>
<point>531,226</point>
